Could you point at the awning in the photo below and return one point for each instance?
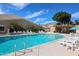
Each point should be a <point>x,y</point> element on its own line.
<point>75,28</point>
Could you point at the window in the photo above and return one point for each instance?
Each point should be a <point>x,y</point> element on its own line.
<point>1,28</point>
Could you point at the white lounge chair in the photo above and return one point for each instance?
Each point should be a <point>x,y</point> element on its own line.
<point>14,32</point>
<point>70,43</point>
<point>24,32</point>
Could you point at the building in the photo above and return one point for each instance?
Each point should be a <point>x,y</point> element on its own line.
<point>49,27</point>
<point>7,19</point>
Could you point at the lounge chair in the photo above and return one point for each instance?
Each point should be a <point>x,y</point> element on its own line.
<point>24,32</point>
<point>14,32</point>
<point>70,43</point>
<point>72,35</point>
<point>19,32</point>
<point>69,47</point>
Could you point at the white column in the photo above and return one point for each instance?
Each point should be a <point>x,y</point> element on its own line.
<point>8,31</point>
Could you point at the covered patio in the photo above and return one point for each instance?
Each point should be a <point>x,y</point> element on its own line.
<point>75,28</point>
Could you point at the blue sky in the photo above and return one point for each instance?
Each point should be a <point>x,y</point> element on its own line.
<point>39,13</point>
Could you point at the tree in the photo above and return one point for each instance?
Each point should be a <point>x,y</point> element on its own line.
<point>34,28</point>
<point>14,26</point>
<point>62,17</point>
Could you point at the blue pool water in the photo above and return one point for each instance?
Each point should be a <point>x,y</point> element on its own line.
<point>7,43</point>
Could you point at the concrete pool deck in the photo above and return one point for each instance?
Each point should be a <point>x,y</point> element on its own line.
<point>49,49</point>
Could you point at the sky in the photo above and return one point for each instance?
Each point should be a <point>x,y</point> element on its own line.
<point>40,13</point>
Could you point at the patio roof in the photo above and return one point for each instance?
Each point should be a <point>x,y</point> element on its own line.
<point>75,28</point>
<point>9,17</point>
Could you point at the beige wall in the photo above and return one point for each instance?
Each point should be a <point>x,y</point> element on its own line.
<point>52,29</point>
<point>77,31</point>
<point>49,28</point>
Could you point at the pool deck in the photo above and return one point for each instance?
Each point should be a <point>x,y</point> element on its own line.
<point>49,49</point>
<point>6,35</point>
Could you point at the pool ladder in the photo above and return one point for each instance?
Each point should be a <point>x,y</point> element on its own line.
<point>23,51</point>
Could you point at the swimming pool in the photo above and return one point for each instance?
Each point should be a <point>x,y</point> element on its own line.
<point>7,43</point>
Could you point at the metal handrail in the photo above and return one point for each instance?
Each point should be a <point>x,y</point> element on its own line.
<point>24,49</point>
<point>24,46</point>
<point>14,49</point>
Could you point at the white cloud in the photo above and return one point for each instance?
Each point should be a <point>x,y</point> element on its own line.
<point>40,19</point>
<point>35,14</point>
<point>75,15</point>
<point>1,11</point>
<point>47,22</point>
<point>19,6</point>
